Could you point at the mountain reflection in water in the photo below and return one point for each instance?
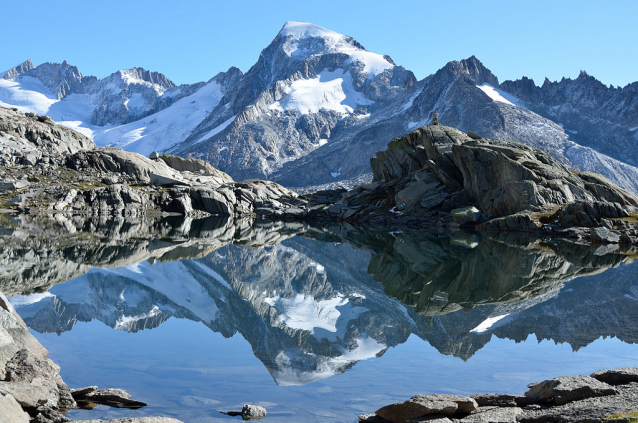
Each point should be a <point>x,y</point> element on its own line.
<point>313,301</point>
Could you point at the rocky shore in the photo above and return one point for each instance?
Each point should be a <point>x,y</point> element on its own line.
<point>433,177</point>
<point>605,396</point>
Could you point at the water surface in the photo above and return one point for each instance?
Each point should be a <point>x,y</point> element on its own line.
<point>314,323</point>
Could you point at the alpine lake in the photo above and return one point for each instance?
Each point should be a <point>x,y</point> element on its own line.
<point>314,323</point>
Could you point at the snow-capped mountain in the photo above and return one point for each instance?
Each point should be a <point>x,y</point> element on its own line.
<point>133,109</point>
<point>317,105</point>
<point>309,86</point>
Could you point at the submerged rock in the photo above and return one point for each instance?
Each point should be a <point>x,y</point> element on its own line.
<point>117,398</point>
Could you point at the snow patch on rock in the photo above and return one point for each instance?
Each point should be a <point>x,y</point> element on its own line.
<point>500,95</point>
<point>328,91</point>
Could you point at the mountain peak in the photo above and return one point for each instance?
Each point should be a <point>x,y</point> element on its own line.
<point>145,77</point>
<point>301,40</point>
<point>307,30</point>
<point>16,71</point>
<point>479,72</point>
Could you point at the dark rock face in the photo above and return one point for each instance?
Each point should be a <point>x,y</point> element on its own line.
<point>501,178</point>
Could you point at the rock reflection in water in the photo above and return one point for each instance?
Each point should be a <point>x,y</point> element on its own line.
<point>311,305</point>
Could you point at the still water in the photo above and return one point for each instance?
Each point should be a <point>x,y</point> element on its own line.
<point>315,324</point>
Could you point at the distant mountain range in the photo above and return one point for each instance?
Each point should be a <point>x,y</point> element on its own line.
<point>316,106</point>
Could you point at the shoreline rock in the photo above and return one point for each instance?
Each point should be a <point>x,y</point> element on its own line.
<point>566,399</point>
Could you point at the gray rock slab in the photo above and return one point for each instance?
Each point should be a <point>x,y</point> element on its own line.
<point>423,405</point>
<point>494,415</point>
<point>620,376</point>
<point>13,184</point>
<point>80,392</point>
<point>430,419</point>
<point>416,407</point>
<point>502,400</point>
<point>27,395</point>
<point>11,411</point>
<point>604,235</point>
<point>587,410</point>
<point>564,389</point>
<point>466,214</point>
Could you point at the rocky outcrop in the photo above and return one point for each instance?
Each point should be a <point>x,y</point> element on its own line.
<point>564,399</point>
<point>30,140</point>
<point>192,165</point>
<point>427,405</point>
<point>55,170</point>
<point>500,178</point>
<point>436,174</point>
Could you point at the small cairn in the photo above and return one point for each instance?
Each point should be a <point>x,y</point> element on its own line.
<point>435,118</point>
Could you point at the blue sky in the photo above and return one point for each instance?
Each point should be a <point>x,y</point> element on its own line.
<point>191,41</point>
